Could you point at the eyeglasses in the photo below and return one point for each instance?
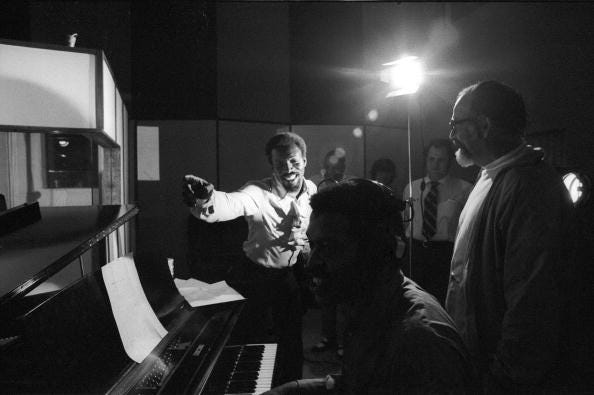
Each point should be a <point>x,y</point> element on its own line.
<point>456,122</point>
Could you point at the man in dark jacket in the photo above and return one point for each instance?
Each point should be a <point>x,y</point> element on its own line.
<point>399,340</point>
<point>506,288</point>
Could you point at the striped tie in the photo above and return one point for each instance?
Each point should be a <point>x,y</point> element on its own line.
<point>430,211</point>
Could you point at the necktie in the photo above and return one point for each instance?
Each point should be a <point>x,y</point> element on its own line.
<point>430,211</point>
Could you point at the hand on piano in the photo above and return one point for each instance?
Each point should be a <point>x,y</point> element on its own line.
<point>290,388</point>
<point>306,386</point>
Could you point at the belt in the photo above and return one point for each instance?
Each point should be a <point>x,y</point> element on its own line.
<point>432,243</point>
<point>251,265</point>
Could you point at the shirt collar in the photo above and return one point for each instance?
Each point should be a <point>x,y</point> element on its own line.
<point>279,190</point>
<point>493,168</point>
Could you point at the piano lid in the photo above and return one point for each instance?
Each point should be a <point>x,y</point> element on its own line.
<point>33,254</point>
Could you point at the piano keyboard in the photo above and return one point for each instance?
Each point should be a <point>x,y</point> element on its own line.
<point>243,369</point>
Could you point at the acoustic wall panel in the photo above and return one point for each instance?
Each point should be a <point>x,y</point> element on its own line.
<point>388,143</point>
<point>241,152</point>
<point>185,147</point>
<point>253,61</point>
<point>320,139</point>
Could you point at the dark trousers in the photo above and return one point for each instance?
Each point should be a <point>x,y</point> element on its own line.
<point>273,313</point>
<point>430,266</point>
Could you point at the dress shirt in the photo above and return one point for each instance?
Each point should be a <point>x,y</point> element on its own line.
<point>273,217</point>
<point>451,198</point>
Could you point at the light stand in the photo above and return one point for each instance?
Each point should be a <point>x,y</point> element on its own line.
<point>410,198</point>
<point>405,76</point>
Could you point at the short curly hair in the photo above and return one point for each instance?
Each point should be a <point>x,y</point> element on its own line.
<point>374,214</point>
<point>283,140</point>
<point>363,201</point>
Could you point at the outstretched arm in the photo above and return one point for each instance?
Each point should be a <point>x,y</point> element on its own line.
<point>211,205</point>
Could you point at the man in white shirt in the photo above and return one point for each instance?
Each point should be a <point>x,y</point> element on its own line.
<point>277,212</point>
<point>434,224</point>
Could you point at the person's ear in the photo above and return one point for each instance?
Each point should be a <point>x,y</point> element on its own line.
<point>484,126</point>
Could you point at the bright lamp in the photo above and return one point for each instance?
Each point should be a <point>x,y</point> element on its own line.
<point>404,76</point>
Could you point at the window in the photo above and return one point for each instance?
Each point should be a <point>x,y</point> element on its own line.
<point>71,161</point>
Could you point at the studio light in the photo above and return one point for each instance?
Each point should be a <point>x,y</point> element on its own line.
<point>404,76</point>
<point>578,185</point>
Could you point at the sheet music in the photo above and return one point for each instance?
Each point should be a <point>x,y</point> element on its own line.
<point>198,293</point>
<point>139,327</point>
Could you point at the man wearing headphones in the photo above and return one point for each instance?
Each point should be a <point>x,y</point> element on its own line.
<point>398,340</point>
<point>438,199</point>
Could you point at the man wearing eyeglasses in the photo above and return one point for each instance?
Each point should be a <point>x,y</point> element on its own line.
<point>506,284</point>
<point>399,340</point>
<point>437,199</point>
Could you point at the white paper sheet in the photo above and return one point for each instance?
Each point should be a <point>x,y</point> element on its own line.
<point>139,327</point>
<point>198,293</point>
<point>147,153</point>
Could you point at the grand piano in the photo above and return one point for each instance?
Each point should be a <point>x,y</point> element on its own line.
<point>67,341</point>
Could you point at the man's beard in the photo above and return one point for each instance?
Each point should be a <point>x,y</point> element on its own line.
<point>463,158</point>
<point>292,185</point>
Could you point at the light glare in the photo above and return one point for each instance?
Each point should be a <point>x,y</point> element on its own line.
<point>404,76</point>
<point>577,185</point>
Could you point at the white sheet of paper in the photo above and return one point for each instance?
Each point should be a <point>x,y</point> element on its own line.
<point>138,325</point>
<point>199,293</point>
<point>147,153</point>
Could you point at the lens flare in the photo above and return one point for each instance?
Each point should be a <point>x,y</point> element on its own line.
<point>403,75</point>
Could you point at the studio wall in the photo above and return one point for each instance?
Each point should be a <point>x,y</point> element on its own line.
<point>241,155</point>
<point>253,62</point>
<point>184,147</point>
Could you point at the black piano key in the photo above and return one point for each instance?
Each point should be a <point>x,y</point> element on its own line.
<point>248,365</point>
<point>241,386</point>
<point>248,358</point>
<point>245,375</point>
<point>253,349</point>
